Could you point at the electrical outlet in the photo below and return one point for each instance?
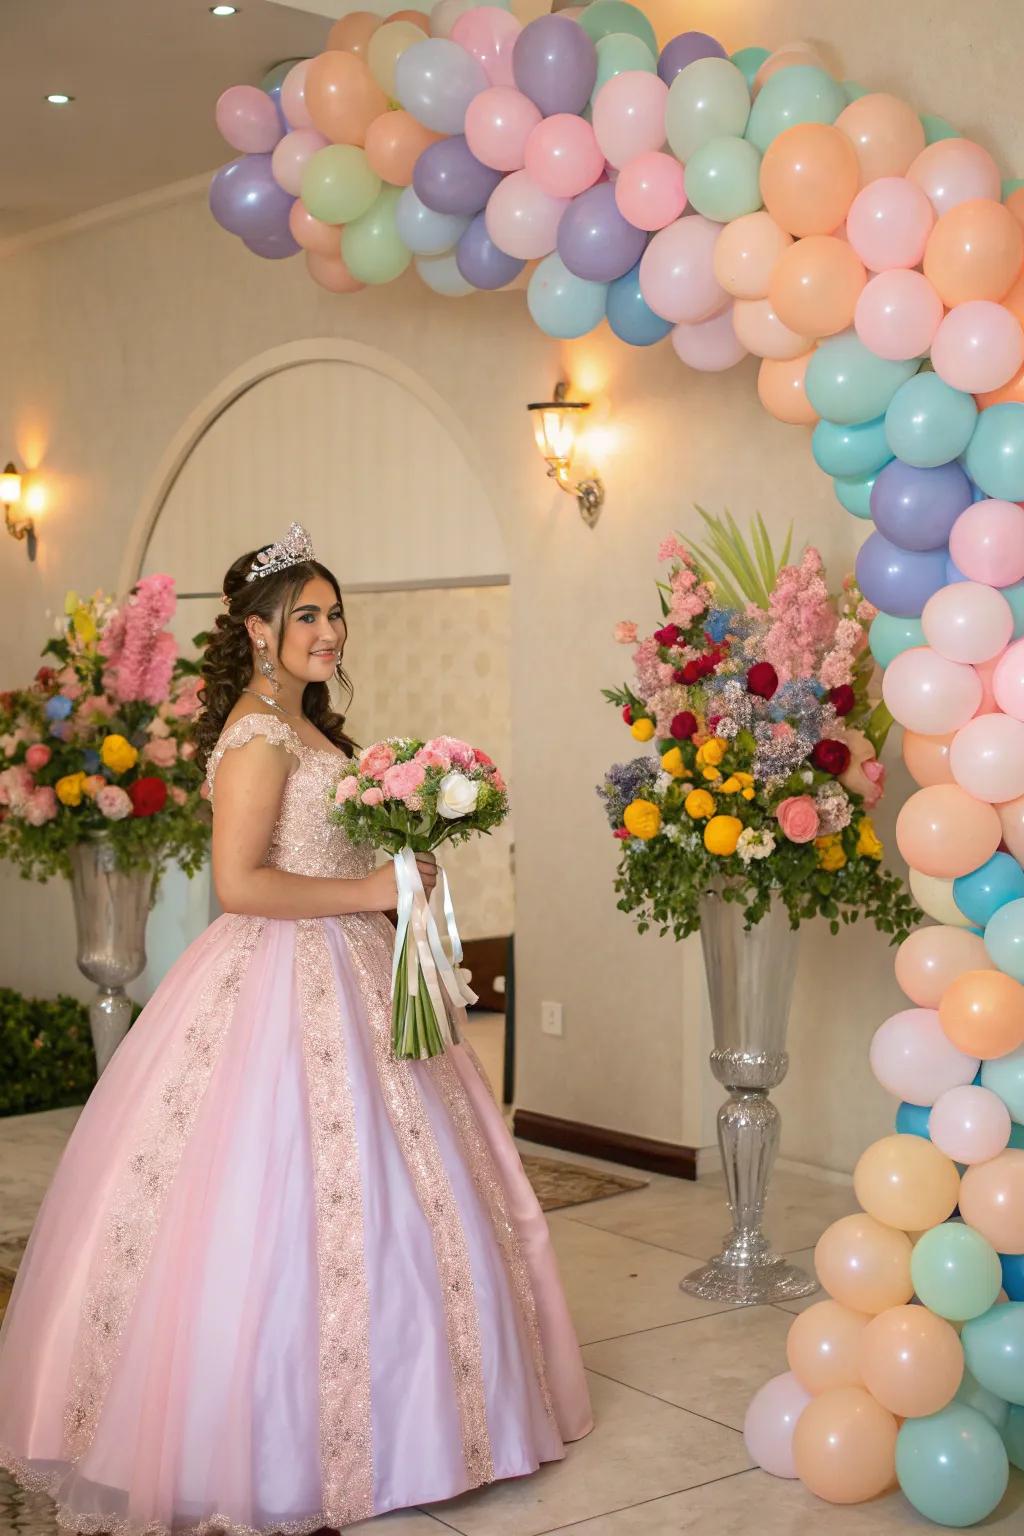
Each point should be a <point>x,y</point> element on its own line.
<point>551,1019</point>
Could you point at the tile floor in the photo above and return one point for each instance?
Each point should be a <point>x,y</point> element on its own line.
<point>670,1377</point>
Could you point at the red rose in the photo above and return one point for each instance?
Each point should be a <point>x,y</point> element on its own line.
<point>147,796</point>
<point>831,757</point>
<point>762,679</point>
<point>621,833</point>
<point>679,675</point>
<point>45,677</point>
<point>627,714</point>
<point>683,726</point>
<point>669,635</point>
<point>842,699</point>
<point>707,665</point>
<point>691,672</point>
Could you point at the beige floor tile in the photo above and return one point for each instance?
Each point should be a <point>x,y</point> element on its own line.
<point>709,1366</point>
<point>639,1450</point>
<point>404,1522</point>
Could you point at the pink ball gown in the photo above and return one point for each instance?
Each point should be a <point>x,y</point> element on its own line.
<point>280,1280</point>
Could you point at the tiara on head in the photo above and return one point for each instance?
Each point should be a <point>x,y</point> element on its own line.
<point>294,549</point>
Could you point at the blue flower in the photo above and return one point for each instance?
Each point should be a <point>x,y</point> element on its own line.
<point>57,708</point>
<point>90,760</point>
<point>718,624</point>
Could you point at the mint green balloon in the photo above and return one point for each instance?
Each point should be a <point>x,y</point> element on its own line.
<point>854,90</point>
<point>723,178</point>
<point>339,184</point>
<point>748,61</point>
<point>889,636</point>
<point>709,99</point>
<point>1013,184</point>
<point>370,245</point>
<point>973,1395</point>
<point>929,423</point>
<point>956,1272</point>
<point>607,16</point>
<point>854,493</point>
<point>952,1466</point>
<point>619,52</point>
<point>802,93</point>
<point>1013,1436</point>
<point>848,384</point>
<point>936,128</point>
<point>1004,1075</point>
<point>994,1350</point>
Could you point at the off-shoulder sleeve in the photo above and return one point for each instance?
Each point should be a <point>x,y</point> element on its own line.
<point>244,730</point>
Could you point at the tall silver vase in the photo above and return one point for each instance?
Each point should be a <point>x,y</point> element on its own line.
<point>750,983</point>
<point>111,908</point>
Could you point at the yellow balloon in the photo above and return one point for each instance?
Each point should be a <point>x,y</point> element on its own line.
<point>386,47</point>
<point>935,898</point>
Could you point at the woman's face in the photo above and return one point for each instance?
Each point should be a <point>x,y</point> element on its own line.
<point>314,634</point>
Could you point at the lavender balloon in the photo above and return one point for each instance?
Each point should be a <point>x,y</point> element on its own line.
<point>449,178</point>
<point>594,240</point>
<point>480,261</point>
<point>555,63</point>
<point>916,508</point>
<point>899,581</point>
<point>685,49</point>
<point>245,198</point>
<point>275,247</point>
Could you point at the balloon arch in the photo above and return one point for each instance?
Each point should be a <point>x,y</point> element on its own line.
<point>872,259</point>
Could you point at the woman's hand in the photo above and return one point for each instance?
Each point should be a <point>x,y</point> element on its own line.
<point>426,863</point>
<point>381,888</point>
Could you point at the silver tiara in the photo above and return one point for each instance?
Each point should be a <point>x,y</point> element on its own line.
<point>295,548</point>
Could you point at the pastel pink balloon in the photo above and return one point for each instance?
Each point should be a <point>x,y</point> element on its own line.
<point>931,958</point>
<point>1008,681</point>
<point>967,622</point>
<point>521,219</point>
<point>711,345</point>
<point>291,156</point>
<point>562,154</point>
<point>629,115</point>
<point>763,333</point>
<point>897,315</point>
<point>914,1060</point>
<point>1011,817</point>
<point>248,119</point>
<point>970,1124</point>
<point>945,832</point>
<point>986,671</point>
<point>978,347</point>
<point>987,542</point>
<point>889,223</point>
<point>498,123</point>
<point>928,694</point>
<point>987,758</point>
<point>650,190</point>
<point>770,1421</point>
<point>490,36</point>
<point>955,171</point>
<point>293,96</point>
<point>677,275</point>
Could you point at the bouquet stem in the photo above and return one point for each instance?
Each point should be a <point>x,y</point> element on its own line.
<point>415,1033</point>
<point>424,975</point>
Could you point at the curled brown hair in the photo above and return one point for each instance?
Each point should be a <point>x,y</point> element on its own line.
<point>227,663</point>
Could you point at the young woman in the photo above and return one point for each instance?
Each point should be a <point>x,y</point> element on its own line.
<point>282,1281</point>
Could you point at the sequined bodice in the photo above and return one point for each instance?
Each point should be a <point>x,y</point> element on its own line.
<point>304,840</point>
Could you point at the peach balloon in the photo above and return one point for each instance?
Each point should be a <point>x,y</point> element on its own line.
<point>886,134</point>
<point>784,58</point>
<point>417,18</point>
<point>394,142</point>
<point>747,252</point>
<point>1014,300</point>
<point>313,234</point>
<point>982,1012</point>
<point>974,252</point>
<point>353,32</point>
<point>342,97</point>
<point>912,1361</point>
<point>293,96</point>
<point>331,273</point>
<point>816,284</point>
<point>864,1265</point>
<point>927,758</point>
<point>763,333</point>
<point>931,959</point>
<point>782,390</point>
<point>992,1200</point>
<point>1011,817</point>
<point>1012,390</point>
<point>823,1347</point>
<point>944,831</point>
<point>1015,203</point>
<point>954,171</point>
<point>385,49</point>
<point>809,178</point>
<point>844,1446</point>
<point>905,1182</point>
<point>898,314</point>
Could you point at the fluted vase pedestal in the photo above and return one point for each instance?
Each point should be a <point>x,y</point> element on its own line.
<point>111,908</point>
<point>750,978</point>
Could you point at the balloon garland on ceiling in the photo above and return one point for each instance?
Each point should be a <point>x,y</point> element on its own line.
<point>872,259</point>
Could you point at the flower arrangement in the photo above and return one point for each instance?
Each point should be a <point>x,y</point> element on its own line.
<point>755,691</point>
<point>99,741</point>
<point>407,797</point>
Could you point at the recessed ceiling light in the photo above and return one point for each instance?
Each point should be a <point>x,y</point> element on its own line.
<point>223,10</point>
<point>59,99</point>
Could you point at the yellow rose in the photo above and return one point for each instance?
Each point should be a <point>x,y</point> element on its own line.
<point>672,762</point>
<point>749,794</point>
<point>830,852</point>
<point>85,625</point>
<point>642,730</point>
<point>699,804</point>
<point>118,754</point>
<point>71,602</point>
<point>868,844</point>
<point>642,819</point>
<point>69,788</point>
<point>746,780</point>
<point>711,774</point>
<point>721,835</point>
<point>712,752</point>
<point>731,785</point>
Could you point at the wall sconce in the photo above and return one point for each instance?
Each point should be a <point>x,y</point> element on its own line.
<point>10,495</point>
<point>556,427</point>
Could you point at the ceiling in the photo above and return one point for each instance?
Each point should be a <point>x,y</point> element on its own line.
<point>145,75</point>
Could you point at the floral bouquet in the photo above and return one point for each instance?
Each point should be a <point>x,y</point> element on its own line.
<point>98,742</point>
<point>409,797</point>
<point>755,691</point>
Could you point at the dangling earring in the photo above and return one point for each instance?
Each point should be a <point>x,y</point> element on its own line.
<point>266,665</point>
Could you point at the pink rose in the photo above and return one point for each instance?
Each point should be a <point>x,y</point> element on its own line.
<point>41,806</point>
<point>347,789</point>
<point>98,705</point>
<point>187,702</point>
<point>403,779</point>
<point>372,796</point>
<point>625,632</point>
<point>16,784</point>
<point>113,803</point>
<point>187,751</point>
<point>158,727</point>
<point>798,817</point>
<point>177,794</point>
<point>376,760</point>
<point>93,784</point>
<point>865,775</point>
<point>499,782</point>
<point>459,753</point>
<point>68,683</point>
<point>37,756</point>
<point>162,751</point>
<point>430,757</point>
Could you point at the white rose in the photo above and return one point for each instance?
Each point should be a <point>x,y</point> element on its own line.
<point>457,796</point>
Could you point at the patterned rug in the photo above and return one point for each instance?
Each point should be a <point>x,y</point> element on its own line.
<point>559,1184</point>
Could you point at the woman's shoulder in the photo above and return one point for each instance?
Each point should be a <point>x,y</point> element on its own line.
<point>249,723</point>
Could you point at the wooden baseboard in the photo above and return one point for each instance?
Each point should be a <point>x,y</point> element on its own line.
<point>613,1146</point>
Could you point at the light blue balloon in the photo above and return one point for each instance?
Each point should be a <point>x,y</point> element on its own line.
<point>860,449</point>
<point>630,316</point>
<point>845,382</point>
<point>854,91</point>
<point>994,1350</point>
<point>803,93</point>
<point>1010,185</point>
<point>425,232</point>
<point>889,636</point>
<point>995,454</point>
<point>952,1465</point>
<point>1015,597</point>
<point>854,493</point>
<point>928,423</point>
<point>748,61</point>
<point>442,275</point>
<point>936,128</point>
<point>979,895</point>
<point>1004,938</point>
<point>912,1120</point>
<point>1017,1142</point>
<point>973,1395</point>
<point>563,305</point>
<point>1013,1437</point>
<point>1004,1075</point>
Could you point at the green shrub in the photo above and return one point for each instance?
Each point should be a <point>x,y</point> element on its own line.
<point>46,1054</point>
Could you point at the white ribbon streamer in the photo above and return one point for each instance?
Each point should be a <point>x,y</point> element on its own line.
<point>421,922</point>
